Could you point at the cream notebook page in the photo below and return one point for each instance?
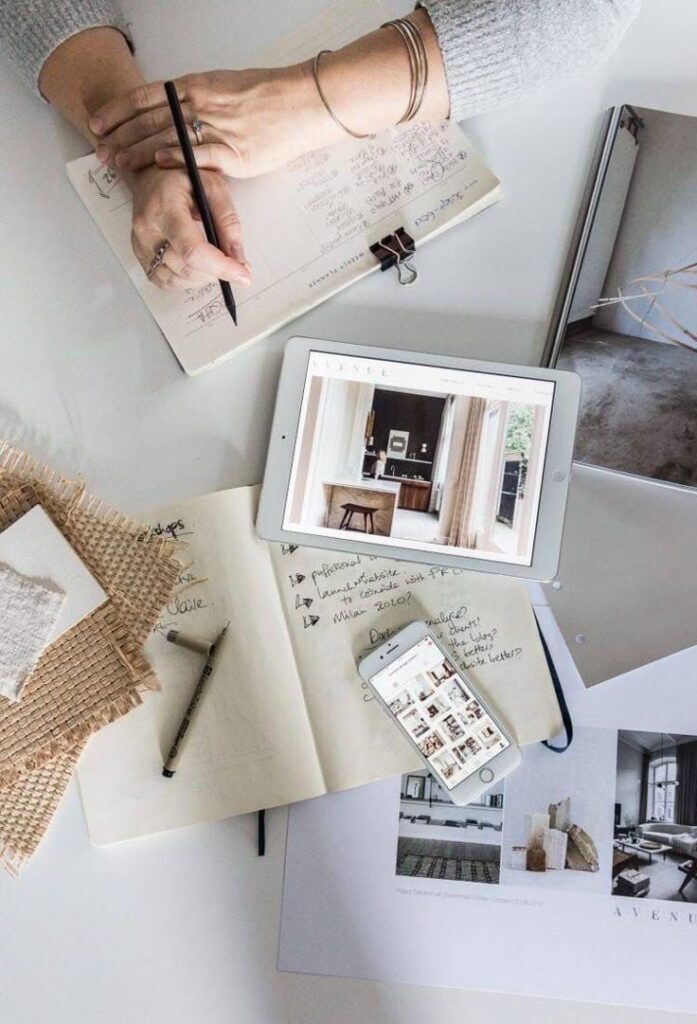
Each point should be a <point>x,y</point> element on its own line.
<point>287,716</point>
<point>308,227</point>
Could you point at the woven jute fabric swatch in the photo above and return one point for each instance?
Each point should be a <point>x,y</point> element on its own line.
<point>94,673</point>
<point>28,807</point>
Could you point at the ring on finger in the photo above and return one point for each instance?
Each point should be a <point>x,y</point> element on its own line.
<point>197,126</point>
<point>157,259</point>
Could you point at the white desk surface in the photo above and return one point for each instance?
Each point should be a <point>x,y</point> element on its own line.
<point>184,927</point>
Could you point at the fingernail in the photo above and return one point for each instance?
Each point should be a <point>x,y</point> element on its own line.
<point>102,153</point>
<point>123,159</point>
<point>237,252</point>
<point>96,125</point>
<point>244,277</point>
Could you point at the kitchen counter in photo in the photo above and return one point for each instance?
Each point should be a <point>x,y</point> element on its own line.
<point>381,497</point>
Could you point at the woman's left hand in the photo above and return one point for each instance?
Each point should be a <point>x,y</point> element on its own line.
<point>252,122</point>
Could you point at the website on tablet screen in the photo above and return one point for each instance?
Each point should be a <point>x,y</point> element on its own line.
<point>420,457</point>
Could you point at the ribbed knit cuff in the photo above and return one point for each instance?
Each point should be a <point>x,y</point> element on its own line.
<point>474,40</point>
<point>496,51</point>
<point>33,29</point>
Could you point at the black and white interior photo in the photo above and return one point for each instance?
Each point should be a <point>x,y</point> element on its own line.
<point>655,843</point>
<point>439,840</point>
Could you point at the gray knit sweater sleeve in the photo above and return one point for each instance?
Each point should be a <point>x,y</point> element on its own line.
<point>30,30</point>
<point>496,51</point>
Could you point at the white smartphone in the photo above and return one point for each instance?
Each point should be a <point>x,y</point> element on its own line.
<point>459,738</point>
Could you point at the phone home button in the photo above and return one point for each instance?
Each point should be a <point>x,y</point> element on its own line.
<point>486,775</point>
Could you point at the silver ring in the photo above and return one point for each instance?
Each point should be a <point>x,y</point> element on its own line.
<point>197,126</point>
<point>157,259</point>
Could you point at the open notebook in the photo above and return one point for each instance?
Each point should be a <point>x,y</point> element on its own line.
<point>287,716</point>
<point>309,226</point>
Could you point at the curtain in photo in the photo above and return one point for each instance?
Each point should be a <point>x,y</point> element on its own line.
<point>440,459</point>
<point>644,791</point>
<point>460,528</point>
<point>686,790</point>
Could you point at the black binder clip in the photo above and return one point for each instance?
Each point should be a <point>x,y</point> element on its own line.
<point>396,251</point>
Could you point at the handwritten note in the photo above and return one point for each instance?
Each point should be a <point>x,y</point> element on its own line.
<point>290,717</point>
<point>308,226</point>
<point>339,606</point>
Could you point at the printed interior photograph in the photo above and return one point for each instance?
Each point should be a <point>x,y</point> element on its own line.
<point>558,828</point>
<point>655,840</point>
<point>436,839</point>
<point>418,466</point>
<point>631,333</point>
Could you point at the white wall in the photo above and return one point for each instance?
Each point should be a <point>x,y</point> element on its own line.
<point>586,774</point>
<point>629,764</point>
<point>659,227</point>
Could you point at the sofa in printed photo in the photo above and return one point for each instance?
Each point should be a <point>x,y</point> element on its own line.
<point>682,839</point>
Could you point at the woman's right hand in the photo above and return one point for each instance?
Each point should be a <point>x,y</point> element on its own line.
<point>253,122</point>
<point>164,212</point>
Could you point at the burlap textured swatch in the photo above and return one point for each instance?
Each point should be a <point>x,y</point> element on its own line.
<point>27,808</point>
<point>92,674</point>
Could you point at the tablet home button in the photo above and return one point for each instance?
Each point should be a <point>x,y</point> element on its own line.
<point>486,775</point>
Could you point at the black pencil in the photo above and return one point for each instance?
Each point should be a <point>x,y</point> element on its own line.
<point>197,186</point>
<point>261,833</point>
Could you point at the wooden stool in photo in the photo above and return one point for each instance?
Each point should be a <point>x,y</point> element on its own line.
<point>351,509</point>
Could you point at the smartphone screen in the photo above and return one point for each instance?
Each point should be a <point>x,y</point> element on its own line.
<point>438,711</point>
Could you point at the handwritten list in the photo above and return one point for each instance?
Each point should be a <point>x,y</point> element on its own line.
<point>288,716</point>
<point>308,229</point>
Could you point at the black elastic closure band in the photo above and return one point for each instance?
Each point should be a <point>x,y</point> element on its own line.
<point>563,706</point>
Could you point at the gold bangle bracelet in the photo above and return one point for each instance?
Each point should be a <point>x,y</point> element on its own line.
<point>413,68</point>
<point>420,48</point>
<point>344,127</point>
<point>418,64</point>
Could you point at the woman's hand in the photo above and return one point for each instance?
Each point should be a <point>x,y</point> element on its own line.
<point>257,120</point>
<point>253,122</point>
<point>164,211</point>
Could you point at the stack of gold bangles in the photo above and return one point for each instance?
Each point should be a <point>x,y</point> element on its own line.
<point>418,65</point>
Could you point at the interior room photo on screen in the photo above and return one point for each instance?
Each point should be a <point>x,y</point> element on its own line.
<point>419,468</point>
<point>632,328</point>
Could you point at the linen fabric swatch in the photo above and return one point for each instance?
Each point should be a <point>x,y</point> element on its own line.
<point>28,613</point>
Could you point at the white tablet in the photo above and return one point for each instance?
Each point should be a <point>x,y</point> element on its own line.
<point>421,457</point>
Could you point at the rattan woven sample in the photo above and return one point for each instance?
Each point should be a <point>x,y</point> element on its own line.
<point>82,682</point>
<point>92,674</point>
<point>28,807</point>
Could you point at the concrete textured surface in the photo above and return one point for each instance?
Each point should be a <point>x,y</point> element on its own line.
<point>638,404</point>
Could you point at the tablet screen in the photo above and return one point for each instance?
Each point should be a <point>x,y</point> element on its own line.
<point>420,457</point>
